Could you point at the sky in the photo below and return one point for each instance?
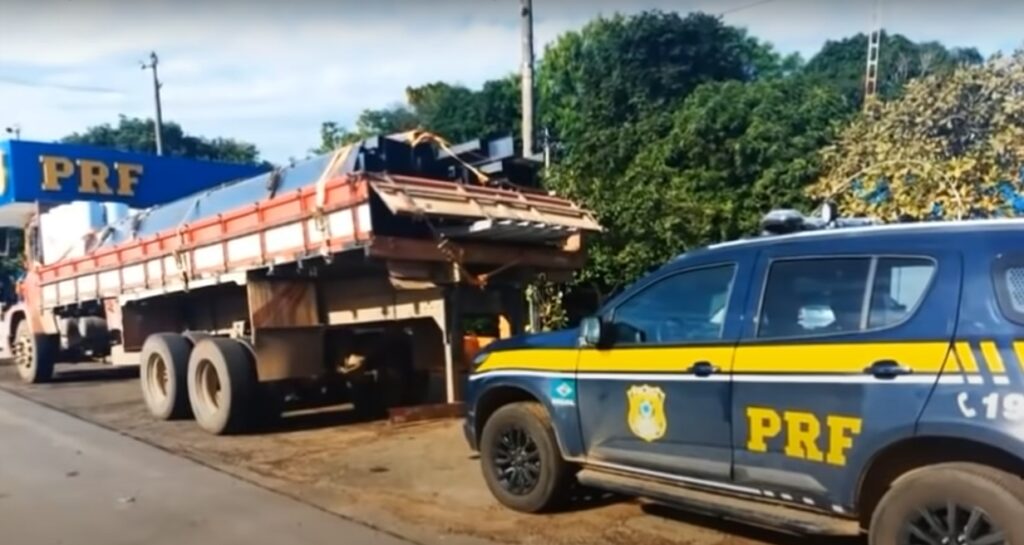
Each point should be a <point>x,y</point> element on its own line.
<point>270,71</point>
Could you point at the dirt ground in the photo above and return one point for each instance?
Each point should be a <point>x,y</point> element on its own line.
<point>418,481</point>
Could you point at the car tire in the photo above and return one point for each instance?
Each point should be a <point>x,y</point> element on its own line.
<point>222,385</point>
<point>520,459</point>
<point>35,355</point>
<point>163,373</point>
<point>919,503</point>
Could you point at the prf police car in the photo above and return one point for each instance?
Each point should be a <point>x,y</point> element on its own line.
<point>829,381</point>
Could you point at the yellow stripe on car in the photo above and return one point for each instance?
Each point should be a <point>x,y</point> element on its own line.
<point>922,357</point>
<point>965,356</point>
<point>992,357</point>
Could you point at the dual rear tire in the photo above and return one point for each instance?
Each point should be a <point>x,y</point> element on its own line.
<point>213,380</point>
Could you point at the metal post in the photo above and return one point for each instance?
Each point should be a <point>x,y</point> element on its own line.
<point>874,50</point>
<point>159,128</point>
<point>526,84</point>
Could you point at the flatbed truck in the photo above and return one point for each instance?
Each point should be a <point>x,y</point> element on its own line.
<point>356,275</point>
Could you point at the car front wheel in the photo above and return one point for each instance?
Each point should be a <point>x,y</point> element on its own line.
<point>521,462</point>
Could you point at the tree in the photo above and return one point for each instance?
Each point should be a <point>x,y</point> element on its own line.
<point>732,151</point>
<point>841,63</point>
<point>370,122</point>
<point>951,147</point>
<point>138,135</point>
<point>608,92</point>
<point>458,113</point>
<point>455,112</point>
<point>618,70</point>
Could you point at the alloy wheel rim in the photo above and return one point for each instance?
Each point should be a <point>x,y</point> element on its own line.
<point>952,524</point>
<point>517,461</point>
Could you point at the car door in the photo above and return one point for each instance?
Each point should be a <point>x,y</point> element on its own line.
<point>656,397</point>
<point>839,362</point>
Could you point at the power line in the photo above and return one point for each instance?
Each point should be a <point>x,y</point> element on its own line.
<point>46,85</point>
<point>745,7</point>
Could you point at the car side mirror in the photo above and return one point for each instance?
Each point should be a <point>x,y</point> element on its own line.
<point>592,331</point>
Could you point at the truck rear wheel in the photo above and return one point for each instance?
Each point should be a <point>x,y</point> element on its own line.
<point>222,385</point>
<point>955,503</point>
<point>34,354</point>
<point>164,375</point>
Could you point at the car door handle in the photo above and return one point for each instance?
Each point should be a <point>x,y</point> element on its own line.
<point>888,369</point>
<point>703,369</point>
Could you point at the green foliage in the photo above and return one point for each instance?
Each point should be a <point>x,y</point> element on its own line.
<point>842,63</point>
<point>731,152</point>
<point>621,69</point>
<point>550,300</point>
<point>370,123</point>
<point>945,146</point>
<point>453,111</point>
<point>609,92</point>
<point>138,135</point>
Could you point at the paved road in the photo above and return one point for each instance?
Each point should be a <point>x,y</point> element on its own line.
<point>64,481</point>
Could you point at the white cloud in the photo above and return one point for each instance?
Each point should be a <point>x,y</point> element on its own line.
<point>269,72</point>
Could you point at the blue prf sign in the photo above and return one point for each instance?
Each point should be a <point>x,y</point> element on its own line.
<point>58,173</point>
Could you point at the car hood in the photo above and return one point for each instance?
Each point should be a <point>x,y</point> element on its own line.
<point>565,338</point>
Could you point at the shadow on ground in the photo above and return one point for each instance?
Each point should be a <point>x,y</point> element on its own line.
<point>71,374</point>
<point>583,498</point>
<point>308,420</point>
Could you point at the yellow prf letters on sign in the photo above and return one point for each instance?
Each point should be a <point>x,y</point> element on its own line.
<point>94,177</point>
<point>803,434</point>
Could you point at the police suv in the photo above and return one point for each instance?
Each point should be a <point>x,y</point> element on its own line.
<point>827,380</point>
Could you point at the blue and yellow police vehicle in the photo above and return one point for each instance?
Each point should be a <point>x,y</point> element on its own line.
<point>824,380</point>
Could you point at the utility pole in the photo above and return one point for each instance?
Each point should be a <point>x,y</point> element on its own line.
<point>526,88</point>
<point>526,14</point>
<point>159,129</point>
<point>547,149</point>
<point>874,49</point>
<point>15,130</point>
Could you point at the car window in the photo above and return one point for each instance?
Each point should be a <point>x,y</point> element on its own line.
<point>813,297</point>
<point>1008,279</point>
<point>686,307</point>
<point>900,284</point>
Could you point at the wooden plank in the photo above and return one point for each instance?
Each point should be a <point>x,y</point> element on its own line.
<point>282,303</point>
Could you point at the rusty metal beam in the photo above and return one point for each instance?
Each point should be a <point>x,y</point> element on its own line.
<point>475,253</point>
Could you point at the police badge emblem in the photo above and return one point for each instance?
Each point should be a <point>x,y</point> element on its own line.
<point>646,415</point>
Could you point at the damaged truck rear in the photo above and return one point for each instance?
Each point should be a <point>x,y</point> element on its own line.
<point>368,275</point>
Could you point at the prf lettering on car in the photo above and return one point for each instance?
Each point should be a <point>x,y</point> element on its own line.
<point>803,432</point>
<point>90,176</point>
<point>833,376</point>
